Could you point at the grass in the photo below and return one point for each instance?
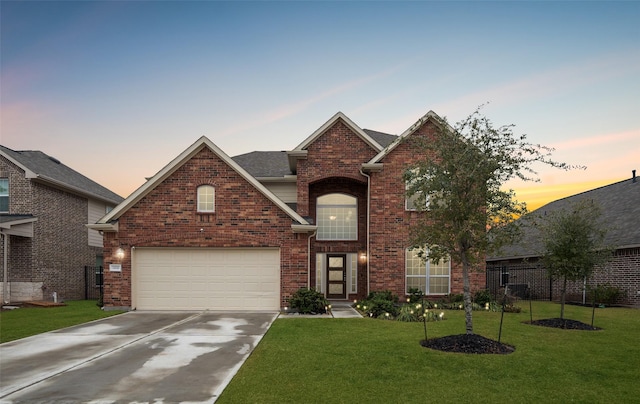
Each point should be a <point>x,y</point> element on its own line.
<point>24,322</point>
<point>376,361</point>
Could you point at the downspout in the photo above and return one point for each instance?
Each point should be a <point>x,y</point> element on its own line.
<point>309,259</point>
<point>5,284</point>
<point>368,223</point>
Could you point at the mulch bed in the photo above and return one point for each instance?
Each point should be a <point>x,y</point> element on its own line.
<point>468,343</point>
<point>565,324</point>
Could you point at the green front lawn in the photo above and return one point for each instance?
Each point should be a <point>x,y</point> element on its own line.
<point>24,322</point>
<point>366,360</point>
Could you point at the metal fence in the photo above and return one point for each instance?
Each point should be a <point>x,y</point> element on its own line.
<point>526,281</point>
<point>93,282</point>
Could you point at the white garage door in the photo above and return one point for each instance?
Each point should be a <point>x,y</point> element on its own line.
<point>201,278</point>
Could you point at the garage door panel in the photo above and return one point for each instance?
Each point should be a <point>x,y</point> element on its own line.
<point>215,279</point>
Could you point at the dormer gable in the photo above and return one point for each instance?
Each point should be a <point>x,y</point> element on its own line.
<point>300,151</point>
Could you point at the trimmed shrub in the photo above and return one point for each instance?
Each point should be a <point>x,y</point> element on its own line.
<point>308,301</point>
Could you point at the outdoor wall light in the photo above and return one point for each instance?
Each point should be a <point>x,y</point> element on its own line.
<point>363,257</point>
<point>120,253</point>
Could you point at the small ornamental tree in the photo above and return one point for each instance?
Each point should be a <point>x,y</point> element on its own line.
<point>573,243</point>
<point>458,186</point>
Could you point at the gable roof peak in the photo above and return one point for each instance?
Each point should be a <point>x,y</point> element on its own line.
<point>177,162</point>
<point>429,116</point>
<point>42,167</point>
<point>328,124</point>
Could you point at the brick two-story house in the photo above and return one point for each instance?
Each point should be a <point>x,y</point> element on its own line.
<point>44,243</point>
<point>213,232</point>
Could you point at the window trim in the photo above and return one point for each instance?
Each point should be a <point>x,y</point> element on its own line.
<point>427,275</point>
<point>6,196</point>
<point>199,194</point>
<point>321,230</point>
<point>410,200</point>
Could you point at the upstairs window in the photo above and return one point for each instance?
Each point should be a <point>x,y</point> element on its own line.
<point>337,217</point>
<point>206,199</point>
<point>4,195</point>
<point>412,199</point>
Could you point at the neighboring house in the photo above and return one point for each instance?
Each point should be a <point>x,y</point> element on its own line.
<point>45,244</point>
<point>245,233</point>
<point>519,264</point>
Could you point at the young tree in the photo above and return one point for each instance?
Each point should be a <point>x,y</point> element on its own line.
<point>573,242</point>
<point>459,187</point>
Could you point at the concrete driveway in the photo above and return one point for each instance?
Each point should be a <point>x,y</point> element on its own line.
<point>141,357</point>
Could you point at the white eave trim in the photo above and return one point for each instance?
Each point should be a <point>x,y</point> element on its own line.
<point>339,115</point>
<point>177,162</point>
<point>75,190</point>
<point>426,117</point>
<point>303,228</point>
<point>372,167</point>
<point>103,226</point>
<point>293,156</point>
<point>7,225</point>
<point>286,178</point>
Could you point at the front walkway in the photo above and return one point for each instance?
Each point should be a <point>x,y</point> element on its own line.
<point>339,309</point>
<point>343,310</point>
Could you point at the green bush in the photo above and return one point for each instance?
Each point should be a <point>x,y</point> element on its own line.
<point>605,293</point>
<point>415,295</point>
<point>410,312</point>
<point>455,298</point>
<point>378,304</point>
<point>308,301</point>
<point>482,297</point>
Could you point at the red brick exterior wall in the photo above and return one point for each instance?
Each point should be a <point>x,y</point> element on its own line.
<point>167,217</point>
<point>59,249</point>
<point>333,165</point>
<point>390,223</point>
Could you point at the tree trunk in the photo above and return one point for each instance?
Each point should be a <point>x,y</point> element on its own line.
<point>466,288</point>
<point>563,292</point>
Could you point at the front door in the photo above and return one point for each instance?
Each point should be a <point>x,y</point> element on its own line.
<point>336,276</point>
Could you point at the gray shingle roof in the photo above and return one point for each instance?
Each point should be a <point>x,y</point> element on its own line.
<point>4,218</point>
<point>51,170</point>
<point>383,139</point>
<point>265,163</point>
<point>620,207</point>
<point>276,163</point>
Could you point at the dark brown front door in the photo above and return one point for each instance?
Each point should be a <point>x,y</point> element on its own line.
<point>336,276</point>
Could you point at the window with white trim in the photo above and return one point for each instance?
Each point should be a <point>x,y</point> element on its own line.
<point>337,217</point>
<point>425,275</point>
<point>206,199</point>
<point>4,195</point>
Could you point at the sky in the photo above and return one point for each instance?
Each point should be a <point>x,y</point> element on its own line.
<point>117,89</point>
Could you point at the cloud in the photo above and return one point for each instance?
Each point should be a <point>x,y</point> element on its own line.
<point>291,109</point>
<point>536,196</point>
<point>601,139</point>
<point>582,73</point>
